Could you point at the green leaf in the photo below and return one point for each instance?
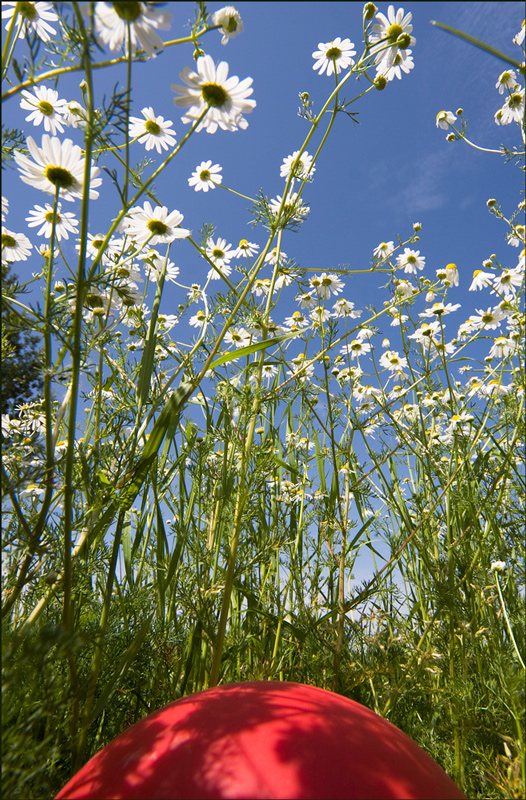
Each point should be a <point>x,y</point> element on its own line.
<point>171,411</point>
<point>253,348</point>
<point>477,43</point>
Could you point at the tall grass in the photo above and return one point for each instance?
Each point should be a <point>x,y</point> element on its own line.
<point>200,520</point>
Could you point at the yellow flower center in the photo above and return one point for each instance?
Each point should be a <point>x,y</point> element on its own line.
<point>60,177</point>
<point>393,32</point>
<point>214,95</point>
<point>128,11</point>
<point>152,127</point>
<point>46,108</point>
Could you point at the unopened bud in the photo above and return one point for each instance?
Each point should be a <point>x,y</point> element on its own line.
<point>369,10</point>
<point>403,41</point>
<point>380,83</point>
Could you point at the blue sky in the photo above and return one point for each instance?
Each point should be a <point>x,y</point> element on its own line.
<point>373,180</point>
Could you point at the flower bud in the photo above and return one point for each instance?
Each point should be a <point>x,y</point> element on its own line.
<point>403,41</point>
<point>417,226</point>
<point>498,566</point>
<point>459,112</point>
<point>450,137</point>
<point>380,82</point>
<point>490,203</point>
<point>369,10</point>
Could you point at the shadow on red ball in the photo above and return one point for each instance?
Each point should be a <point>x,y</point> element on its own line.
<point>262,740</point>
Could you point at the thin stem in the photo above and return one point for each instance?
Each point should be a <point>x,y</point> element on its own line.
<point>508,624</point>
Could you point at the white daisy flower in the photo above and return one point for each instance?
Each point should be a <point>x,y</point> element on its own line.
<point>111,26</point>
<point>296,321</point>
<point>293,211</point>
<point>261,287</point>
<point>245,249</point>
<point>325,285</point>
<point>365,393</point>
<point>298,366</point>
<point>171,272</point>
<point>320,314</point>
<point>274,257</point>
<point>489,319</point>
<point>512,110</point>
<point>393,361</point>
<point>383,250</point>
<point>56,165</point>
<point>403,63</point>
<point>306,300</point>
<point>355,348</point>
<point>206,176</point>
<point>34,18</point>
<point>411,261</point>
<point>344,308</point>
<point>65,222</point>
<point>499,566</point>
<point>15,246</point>
<point>155,265</point>
<point>230,21</point>
<point>481,279</point>
<point>269,371</point>
<point>219,252</point>
<point>494,388</point>
<point>508,282</point>
<point>404,289</point>
<point>127,275</point>
<point>444,119</point>
<point>449,275</point>
<point>285,279</point>
<point>112,251</point>
<point>519,38</point>
<point>152,131</point>
<point>426,333</point>
<point>439,310</point>
<point>32,491</point>
<point>157,223</point>
<point>365,333</point>
<point>516,236</point>
<point>45,107</point>
<point>240,337</point>
<point>227,99</point>
<point>300,168</point>
<point>333,56</point>
<point>398,319</point>
<point>198,320</point>
<point>167,321</point>
<point>222,271</point>
<point>5,208</point>
<point>75,115</point>
<point>507,80</point>
<point>394,30</point>
<point>503,347</point>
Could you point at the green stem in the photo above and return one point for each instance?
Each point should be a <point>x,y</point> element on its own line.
<point>508,624</point>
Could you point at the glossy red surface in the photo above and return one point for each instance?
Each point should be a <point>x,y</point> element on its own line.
<point>262,740</point>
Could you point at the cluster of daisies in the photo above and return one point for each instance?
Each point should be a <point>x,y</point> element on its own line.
<point>511,111</point>
<point>389,42</point>
<point>111,21</point>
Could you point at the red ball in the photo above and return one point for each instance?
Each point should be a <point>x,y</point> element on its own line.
<point>262,740</point>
